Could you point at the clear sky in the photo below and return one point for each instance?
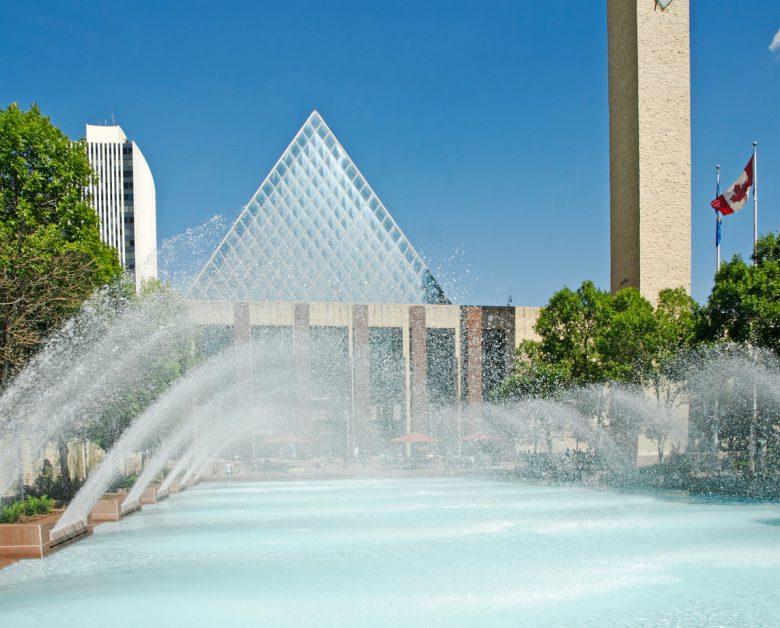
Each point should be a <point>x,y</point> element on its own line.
<point>482,126</point>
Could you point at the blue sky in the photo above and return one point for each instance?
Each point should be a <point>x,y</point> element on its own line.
<point>482,126</point>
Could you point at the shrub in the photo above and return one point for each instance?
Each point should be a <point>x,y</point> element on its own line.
<point>54,488</point>
<point>28,507</point>
<point>126,482</point>
<point>59,488</point>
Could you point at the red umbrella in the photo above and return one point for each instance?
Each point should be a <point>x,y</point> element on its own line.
<point>415,437</point>
<point>288,439</point>
<point>480,437</point>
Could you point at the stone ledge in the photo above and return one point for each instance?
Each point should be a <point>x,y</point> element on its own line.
<point>110,508</point>
<point>34,539</point>
<point>152,494</point>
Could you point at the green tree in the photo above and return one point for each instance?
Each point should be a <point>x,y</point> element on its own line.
<point>744,305</point>
<point>592,338</point>
<point>532,376</point>
<point>129,401</point>
<point>569,326</point>
<point>625,343</point>
<point>625,338</point>
<point>51,255</point>
<point>674,337</point>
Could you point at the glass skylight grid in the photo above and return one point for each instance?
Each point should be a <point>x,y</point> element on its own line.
<point>316,231</point>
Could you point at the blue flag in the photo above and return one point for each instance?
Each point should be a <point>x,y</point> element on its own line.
<point>717,213</point>
<point>717,228</point>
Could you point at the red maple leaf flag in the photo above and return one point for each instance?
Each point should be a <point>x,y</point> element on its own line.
<point>735,197</point>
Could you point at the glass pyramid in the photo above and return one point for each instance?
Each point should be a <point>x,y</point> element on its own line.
<point>316,231</point>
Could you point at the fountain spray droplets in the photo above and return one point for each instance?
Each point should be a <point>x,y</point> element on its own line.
<point>218,397</point>
<point>172,406</point>
<point>245,389</point>
<point>108,348</point>
<point>181,257</point>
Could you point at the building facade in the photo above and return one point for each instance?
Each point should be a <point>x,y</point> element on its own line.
<point>124,198</point>
<point>347,325</point>
<point>374,371</point>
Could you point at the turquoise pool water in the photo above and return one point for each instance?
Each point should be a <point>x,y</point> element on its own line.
<point>410,553</point>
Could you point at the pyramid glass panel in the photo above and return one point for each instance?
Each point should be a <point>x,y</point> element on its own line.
<point>316,231</point>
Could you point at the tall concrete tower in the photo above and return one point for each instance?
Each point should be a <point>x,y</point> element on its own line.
<point>649,145</point>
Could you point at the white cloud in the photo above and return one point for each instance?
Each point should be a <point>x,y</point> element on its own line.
<point>775,45</point>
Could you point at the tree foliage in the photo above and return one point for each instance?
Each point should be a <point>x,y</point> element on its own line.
<point>588,336</point>
<point>569,327</point>
<point>531,376</point>
<point>140,391</point>
<point>591,339</point>
<point>51,255</point>
<point>745,302</point>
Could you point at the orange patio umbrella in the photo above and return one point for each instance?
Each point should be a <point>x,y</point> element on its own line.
<point>288,439</point>
<point>415,437</point>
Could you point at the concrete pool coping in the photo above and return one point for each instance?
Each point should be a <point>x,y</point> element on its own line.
<point>152,494</point>
<point>175,487</point>
<point>34,539</point>
<point>110,509</point>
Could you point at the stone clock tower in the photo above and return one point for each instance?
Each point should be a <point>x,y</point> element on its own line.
<point>649,144</point>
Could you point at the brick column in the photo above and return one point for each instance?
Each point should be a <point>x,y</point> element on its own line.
<point>361,378</point>
<point>473,323</point>
<point>418,351</point>
<point>242,330</point>
<point>242,335</point>
<point>302,361</point>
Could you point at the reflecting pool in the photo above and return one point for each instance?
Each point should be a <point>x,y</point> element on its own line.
<point>411,552</point>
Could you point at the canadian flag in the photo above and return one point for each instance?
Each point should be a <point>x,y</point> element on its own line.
<point>735,197</point>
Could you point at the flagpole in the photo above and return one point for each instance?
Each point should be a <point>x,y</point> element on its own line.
<point>754,422</point>
<point>755,198</point>
<point>717,219</point>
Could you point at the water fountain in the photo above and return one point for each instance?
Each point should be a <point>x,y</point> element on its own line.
<point>188,429</point>
<point>207,379</point>
<point>521,543</point>
<point>84,367</point>
<point>616,548</point>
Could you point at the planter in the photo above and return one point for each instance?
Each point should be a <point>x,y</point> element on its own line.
<point>110,508</point>
<point>152,494</point>
<point>130,508</point>
<point>33,539</point>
